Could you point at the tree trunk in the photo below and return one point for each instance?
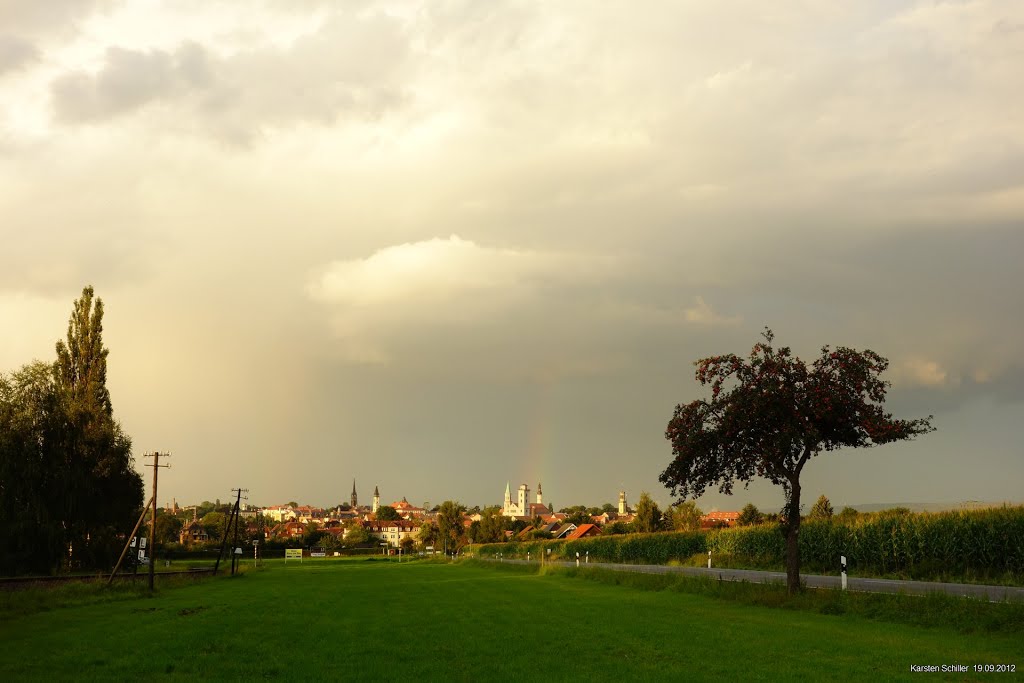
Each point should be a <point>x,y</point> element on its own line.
<point>793,539</point>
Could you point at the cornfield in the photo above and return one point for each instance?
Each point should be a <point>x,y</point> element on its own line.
<point>976,543</point>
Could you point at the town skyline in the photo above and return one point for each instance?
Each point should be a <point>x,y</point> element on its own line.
<point>447,247</point>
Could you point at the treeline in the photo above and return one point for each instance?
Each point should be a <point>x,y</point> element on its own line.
<point>68,491</point>
<point>975,544</point>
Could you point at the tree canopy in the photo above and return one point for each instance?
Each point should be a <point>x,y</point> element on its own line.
<point>770,413</point>
<point>749,515</point>
<point>685,516</point>
<point>451,531</point>
<point>822,508</point>
<point>68,487</point>
<point>648,515</point>
<point>387,513</point>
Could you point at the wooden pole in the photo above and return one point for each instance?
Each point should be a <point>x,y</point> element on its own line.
<point>128,542</point>
<point>227,530</point>
<point>152,522</point>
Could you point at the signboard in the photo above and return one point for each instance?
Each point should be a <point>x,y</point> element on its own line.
<point>142,542</point>
<point>316,551</point>
<point>292,554</point>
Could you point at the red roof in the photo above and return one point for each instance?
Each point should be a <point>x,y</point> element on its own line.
<point>583,530</point>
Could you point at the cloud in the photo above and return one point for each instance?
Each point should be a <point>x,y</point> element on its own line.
<point>43,17</point>
<point>349,68</point>
<point>15,53</point>
<point>703,314</point>
<point>453,298</point>
<point>436,270</point>
<point>922,372</point>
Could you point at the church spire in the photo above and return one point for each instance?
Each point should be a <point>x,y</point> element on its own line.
<point>355,498</point>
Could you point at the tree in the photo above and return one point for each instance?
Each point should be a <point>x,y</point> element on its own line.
<point>492,525</point>
<point>822,508</point>
<point>214,524</point>
<point>648,516</point>
<point>579,517</point>
<point>685,516</point>
<point>847,514</point>
<point>427,535</point>
<point>104,492</point>
<point>355,535</point>
<point>777,414</point>
<point>386,513</point>
<point>168,528</point>
<point>609,508</point>
<point>749,515</point>
<point>67,484</point>
<point>450,529</point>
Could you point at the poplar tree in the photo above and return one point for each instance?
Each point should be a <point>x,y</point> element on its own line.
<point>101,490</point>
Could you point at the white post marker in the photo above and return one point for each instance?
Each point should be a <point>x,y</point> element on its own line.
<point>577,558</point>
<point>842,560</point>
<point>527,556</point>
<point>588,557</point>
<point>709,559</point>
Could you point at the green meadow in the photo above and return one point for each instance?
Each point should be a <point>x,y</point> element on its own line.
<point>365,620</point>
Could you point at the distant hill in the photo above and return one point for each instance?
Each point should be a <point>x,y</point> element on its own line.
<point>929,507</point>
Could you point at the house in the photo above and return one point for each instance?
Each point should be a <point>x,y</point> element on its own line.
<point>563,530</point>
<point>584,531</point>
<point>407,510</point>
<point>392,532</point>
<point>716,519</point>
<point>291,529</point>
<point>193,532</point>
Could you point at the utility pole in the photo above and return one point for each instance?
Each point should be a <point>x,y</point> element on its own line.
<point>238,518</point>
<point>152,522</point>
<point>227,530</point>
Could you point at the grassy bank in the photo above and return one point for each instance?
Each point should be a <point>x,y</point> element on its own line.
<point>358,620</point>
<point>964,615</point>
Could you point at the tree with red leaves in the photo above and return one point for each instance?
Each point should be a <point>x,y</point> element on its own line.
<point>776,413</point>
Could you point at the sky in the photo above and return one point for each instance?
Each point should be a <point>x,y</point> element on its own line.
<point>437,247</point>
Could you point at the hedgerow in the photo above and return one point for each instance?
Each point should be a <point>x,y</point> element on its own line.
<point>966,543</point>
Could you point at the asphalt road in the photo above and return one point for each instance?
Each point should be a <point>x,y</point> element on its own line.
<point>990,593</point>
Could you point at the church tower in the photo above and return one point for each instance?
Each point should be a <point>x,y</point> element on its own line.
<point>540,495</point>
<point>524,500</point>
<point>376,499</point>
<point>505,508</point>
<point>355,499</point>
<point>622,502</point>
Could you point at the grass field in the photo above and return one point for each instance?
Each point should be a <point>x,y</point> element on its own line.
<point>364,620</point>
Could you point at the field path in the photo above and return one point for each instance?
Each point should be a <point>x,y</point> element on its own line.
<point>990,593</point>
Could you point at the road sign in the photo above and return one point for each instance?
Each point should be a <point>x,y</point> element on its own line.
<point>292,554</point>
<point>238,551</point>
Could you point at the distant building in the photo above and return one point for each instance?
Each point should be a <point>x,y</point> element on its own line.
<point>523,507</point>
<point>717,519</point>
<point>354,499</point>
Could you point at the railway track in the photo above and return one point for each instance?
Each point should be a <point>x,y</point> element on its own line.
<point>23,581</point>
